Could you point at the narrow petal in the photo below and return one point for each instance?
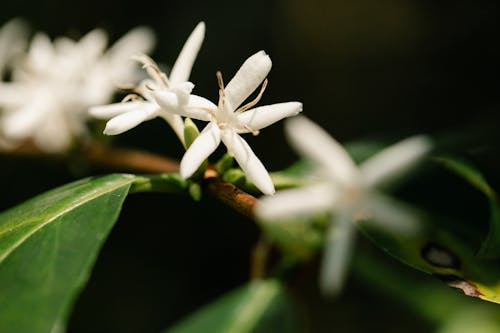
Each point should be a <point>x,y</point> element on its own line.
<point>137,41</point>
<point>184,63</point>
<point>258,118</point>
<point>314,143</point>
<point>112,110</point>
<point>41,52</point>
<point>298,202</point>
<point>200,149</point>
<point>175,121</point>
<point>248,162</point>
<point>392,215</point>
<point>196,108</point>
<point>392,162</point>
<point>53,135</point>
<point>337,255</point>
<point>21,123</point>
<point>250,75</point>
<point>126,121</point>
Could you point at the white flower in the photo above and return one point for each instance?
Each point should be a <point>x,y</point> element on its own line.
<point>54,85</point>
<point>228,120</point>
<point>131,112</point>
<point>347,191</point>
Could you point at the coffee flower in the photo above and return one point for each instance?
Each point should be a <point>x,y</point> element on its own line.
<point>141,105</point>
<point>54,84</point>
<point>229,119</point>
<point>349,192</point>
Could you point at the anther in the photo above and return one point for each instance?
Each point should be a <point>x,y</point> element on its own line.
<point>255,101</point>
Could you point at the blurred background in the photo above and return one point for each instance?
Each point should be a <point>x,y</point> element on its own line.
<point>363,69</point>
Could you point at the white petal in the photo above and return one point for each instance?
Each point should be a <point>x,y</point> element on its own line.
<point>23,122</point>
<point>126,121</point>
<point>196,108</point>
<point>336,255</point>
<point>392,215</point>
<point>41,52</point>
<point>182,67</point>
<point>263,116</point>
<point>175,121</point>
<point>115,109</point>
<point>12,94</point>
<point>392,162</point>
<point>314,143</point>
<point>53,135</point>
<point>200,149</point>
<point>297,202</point>
<point>93,43</point>
<point>250,75</point>
<point>137,41</point>
<point>248,162</point>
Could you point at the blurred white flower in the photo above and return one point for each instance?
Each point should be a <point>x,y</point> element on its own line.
<point>13,41</point>
<point>228,120</point>
<point>141,106</point>
<point>55,83</point>
<point>349,192</point>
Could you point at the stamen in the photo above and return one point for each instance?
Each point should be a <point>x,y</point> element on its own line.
<point>153,69</point>
<point>132,97</point>
<point>255,101</point>
<point>250,130</point>
<point>220,81</point>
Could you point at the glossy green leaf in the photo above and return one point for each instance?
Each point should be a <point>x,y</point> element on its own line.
<point>48,246</point>
<point>260,306</point>
<point>491,245</point>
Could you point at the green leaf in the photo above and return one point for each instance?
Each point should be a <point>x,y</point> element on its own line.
<point>260,306</point>
<point>48,246</point>
<point>191,132</point>
<point>491,245</point>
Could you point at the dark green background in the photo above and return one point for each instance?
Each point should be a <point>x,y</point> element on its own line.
<point>363,69</point>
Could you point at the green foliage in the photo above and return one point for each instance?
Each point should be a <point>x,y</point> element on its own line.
<point>260,306</point>
<point>48,246</point>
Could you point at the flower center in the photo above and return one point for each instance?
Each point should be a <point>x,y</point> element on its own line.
<point>226,117</point>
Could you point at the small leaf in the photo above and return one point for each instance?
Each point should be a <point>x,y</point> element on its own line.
<point>224,163</point>
<point>48,246</point>
<point>195,191</point>
<point>260,306</point>
<point>191,132</point>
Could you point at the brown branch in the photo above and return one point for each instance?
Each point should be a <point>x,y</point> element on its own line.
<point>132,160</point>
<point>146,162</point>
<point>229,194</point>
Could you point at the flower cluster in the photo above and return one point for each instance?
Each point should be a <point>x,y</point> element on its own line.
<point>170,97</point>
<point>350,193</point>
<point>54,82</point>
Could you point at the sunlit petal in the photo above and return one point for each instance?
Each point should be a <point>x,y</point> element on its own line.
<point>248,161</point>
<point>200,149</point>
<point>392,215</point>
<point>337,255</point>
<point>395,160</point>
<point>184,63</point>
<point>294,203</point>
<point>314,143</point>
<point>258,118</point>
<point>196,108</point>
<point>127,121</point>
<point>250,75</point>
<point>115,109</point>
